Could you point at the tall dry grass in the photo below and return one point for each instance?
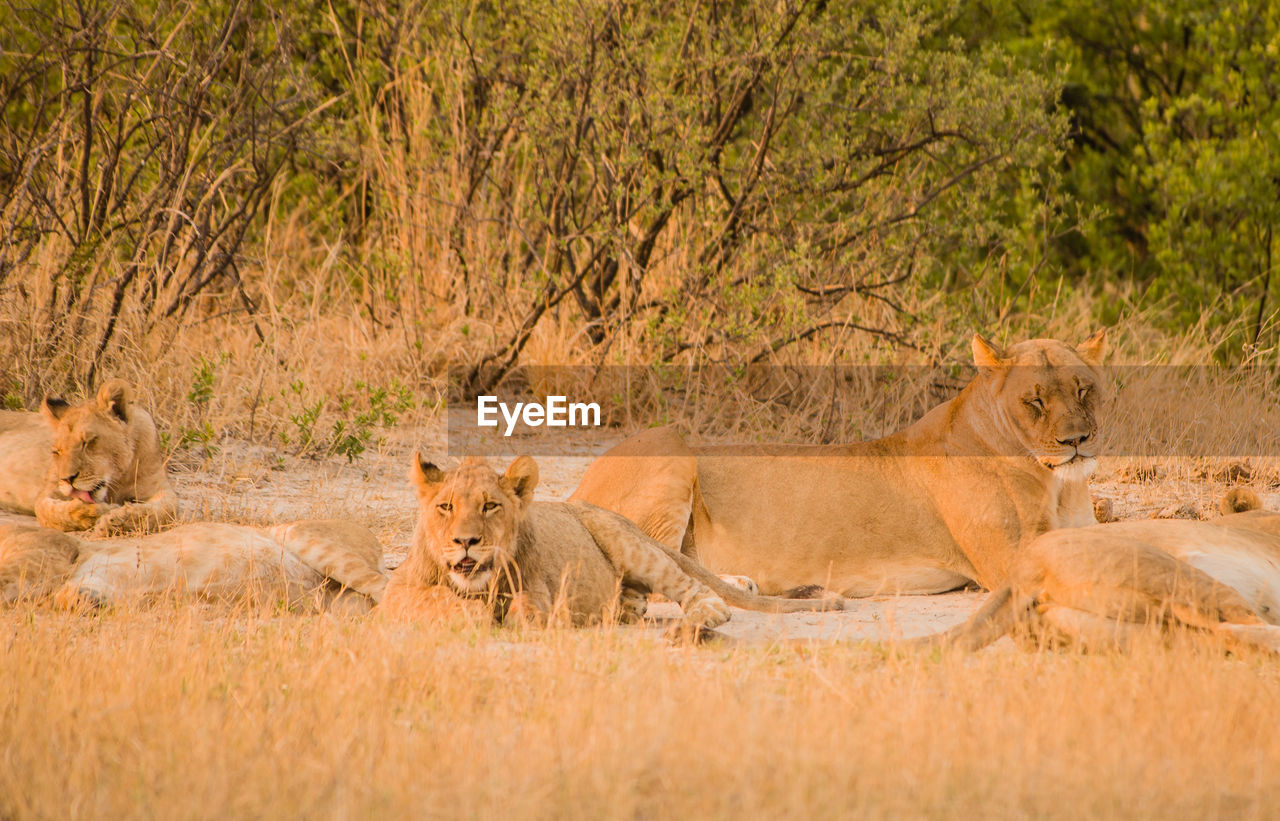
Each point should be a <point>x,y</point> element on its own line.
<point>180,713</point>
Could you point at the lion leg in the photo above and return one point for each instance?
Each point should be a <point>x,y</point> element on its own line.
<point>73,597</point>
<point>532,606</point>
<point>68,514</point>
<point>343,551</point>
<point>407,600</point>
<point>649,478</point>
<point>1131,582</point>
<point>145,516</point>
<point>1257,636</point>
<point>1093,632</point>
<point>639,557</point>
<point>648,565</point>
<point>644,562</point>
<point>1090,631</point>
<point>633,603</point>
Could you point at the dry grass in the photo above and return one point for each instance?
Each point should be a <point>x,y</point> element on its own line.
<point>186,711</point>
<point>177,713</point>
<point>190,711</point>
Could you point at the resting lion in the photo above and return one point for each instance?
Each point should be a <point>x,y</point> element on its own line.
<point>322,562</point>
<point>96,465</point>
<point>483,536</point>
<point>947,501</point>
<point>1098,587</point>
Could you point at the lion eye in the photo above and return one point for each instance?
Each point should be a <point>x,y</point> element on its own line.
<point>1083,392</point>
<point>444,507</point>
<point>56,452</point>
<point>1035,402</point>
<point>489,507</point>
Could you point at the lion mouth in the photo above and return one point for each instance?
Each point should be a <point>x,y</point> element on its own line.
<point>468,566</point>
<point>90,496</point>
<point>1077,463</point>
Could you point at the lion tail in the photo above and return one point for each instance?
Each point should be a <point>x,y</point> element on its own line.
<point>994,619</point>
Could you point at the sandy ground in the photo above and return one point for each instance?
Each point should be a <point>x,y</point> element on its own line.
<point>254,484</point>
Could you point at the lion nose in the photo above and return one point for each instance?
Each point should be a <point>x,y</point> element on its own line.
<point>466,541</point>
<point>1074,441</point>
<point>71,479</point>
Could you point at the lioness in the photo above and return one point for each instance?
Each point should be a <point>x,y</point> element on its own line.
<point>948,501</point>
<point>96,465</point>
<point>1099,586</point>
<point>484,536</point>
<point>299,563</point>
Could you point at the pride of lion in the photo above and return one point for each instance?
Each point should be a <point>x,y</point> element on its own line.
<point>989,488</point>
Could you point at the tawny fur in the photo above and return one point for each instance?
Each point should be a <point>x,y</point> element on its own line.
<point>950,500</point>
<point>321,563</point>
<point>97,465</point>
<point>482,535</point>
<point>1100,587</point>
<point>1239,499</point>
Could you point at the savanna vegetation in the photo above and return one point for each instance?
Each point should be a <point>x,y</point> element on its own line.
<point>296,202</point>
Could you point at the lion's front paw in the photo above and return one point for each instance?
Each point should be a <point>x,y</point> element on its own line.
<point>113,521</point>
<point>707,610</point>
<point>632,605</point>
<point>82,515</point>
<point>73,597</point>
<point>522,610</point>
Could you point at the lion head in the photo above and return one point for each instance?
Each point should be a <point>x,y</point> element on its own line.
<point>92,449</point>
<point>469,518</point>
<point>1046,395</point>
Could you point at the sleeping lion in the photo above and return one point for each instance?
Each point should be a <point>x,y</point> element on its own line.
<point>1099,587</point>
<point>308,563</point>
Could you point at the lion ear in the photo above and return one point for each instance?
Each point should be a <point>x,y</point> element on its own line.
<point>521,478</point>
<point>425,475</point>
<point>1093,349</point>
<point>53,409</point>
<point>114,397</point>
<point>986,354</point>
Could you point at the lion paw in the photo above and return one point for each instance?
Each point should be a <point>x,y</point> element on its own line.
<point>706,611</point>
<point>744,583</point>
<point>83,515</point>
<point>113,521</point>
<point>632,605</point>
<point>72,597</point>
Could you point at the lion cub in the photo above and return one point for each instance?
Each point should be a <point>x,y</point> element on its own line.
<point>483,536</point>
